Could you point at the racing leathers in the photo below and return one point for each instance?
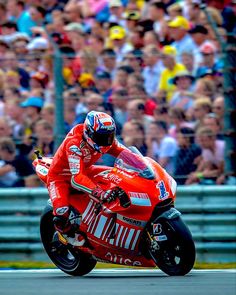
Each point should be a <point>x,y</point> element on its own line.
<point>71,166</point>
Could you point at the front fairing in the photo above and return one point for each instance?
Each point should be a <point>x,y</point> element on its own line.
<point>143,180</point>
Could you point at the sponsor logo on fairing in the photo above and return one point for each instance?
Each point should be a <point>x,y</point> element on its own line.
<point>120,259</point>
<point>113,178</point>
<point>131,220</point>
<point>125,173</point>
<point>160,238</point>
<point>157,228</point>
<point>140,199</point>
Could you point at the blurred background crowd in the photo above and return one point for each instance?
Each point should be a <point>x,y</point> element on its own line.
<point>155,66</point>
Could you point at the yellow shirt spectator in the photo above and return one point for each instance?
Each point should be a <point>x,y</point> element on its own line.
<point>171,70</point>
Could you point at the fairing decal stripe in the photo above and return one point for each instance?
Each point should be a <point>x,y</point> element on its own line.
<point>106,229</point>
<point>123,239</point>
<point>135,240</point>
<point>128,240</point>
<point>91,217</point>
<point>92,225</point>
<point>84,215</point>
<point>100,226</point>
<point>112,240</point>
<point>119,235</point>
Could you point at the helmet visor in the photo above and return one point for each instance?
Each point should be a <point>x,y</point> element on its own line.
<point>103,139</point>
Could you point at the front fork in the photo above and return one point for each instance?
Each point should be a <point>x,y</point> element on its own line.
<point>155,233</point>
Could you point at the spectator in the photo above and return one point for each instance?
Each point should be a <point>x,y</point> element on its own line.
<point>119,101</point>
<point>109,61</point>
<point>73,13</point>
<point>208,52</point>
<point>179,27</point>
<point>121,77</point>
<point>135,79</point>
<point>188,60</point>
<point>182,96</point>
<point>134,60</point>
<point>75,34</point>
<point>137,91</point>
<point>205,87</point>
<point>120,45</point>
<point>199,36</point>
<point>32,108</point>
<point>116,12</point>
<point>212,122</point>
<point>161,146</point>
<point>13,167</point>
<point>151,38</point>
<point>48,113</point>
<point>193,11</point>
<point>161,113</point>
<point>211,166</point>
<point>177,120</point>
<point>43,132</point>
<point>201,107</point>
<point>5,127</point>
<point>11,64</point>
<point>136,111</point>
<point>16,116</point>
<point>157,13</point>
<point>152,69</point>
<point>174,10</point>
<point>187,155</point>
<point>133,134</point>
<point>103,84</point>
<point>96,44</point>
<point>218,108</point>
<point>165,89</point>
<point>132,17</point>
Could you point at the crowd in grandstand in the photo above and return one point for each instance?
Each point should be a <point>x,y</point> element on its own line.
<point>155,66</point>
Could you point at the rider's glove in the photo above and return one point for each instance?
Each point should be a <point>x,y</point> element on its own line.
<point>104,196</point>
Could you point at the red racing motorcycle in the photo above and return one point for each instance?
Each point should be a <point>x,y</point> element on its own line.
<point>140,228</point>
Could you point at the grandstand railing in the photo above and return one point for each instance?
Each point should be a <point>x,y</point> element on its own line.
<point>209,211</point>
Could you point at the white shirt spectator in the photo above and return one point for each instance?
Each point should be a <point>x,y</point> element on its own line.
<point>166,149</point>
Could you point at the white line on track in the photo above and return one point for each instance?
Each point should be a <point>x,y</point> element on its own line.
<point>116,272</point>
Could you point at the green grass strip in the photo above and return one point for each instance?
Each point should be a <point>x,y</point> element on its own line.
<point>43,265</point>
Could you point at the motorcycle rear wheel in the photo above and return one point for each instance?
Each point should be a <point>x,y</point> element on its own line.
<point>176,256</point>
<point>74,263</point>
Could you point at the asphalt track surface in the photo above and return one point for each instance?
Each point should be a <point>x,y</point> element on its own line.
<point>117,281</point>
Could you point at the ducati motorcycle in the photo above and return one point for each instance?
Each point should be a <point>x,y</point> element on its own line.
<point>141,227</point>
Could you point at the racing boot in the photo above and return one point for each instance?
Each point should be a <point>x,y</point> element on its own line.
<point>66,232</point>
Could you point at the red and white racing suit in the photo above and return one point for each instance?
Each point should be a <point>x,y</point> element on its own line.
<point>71,166</point>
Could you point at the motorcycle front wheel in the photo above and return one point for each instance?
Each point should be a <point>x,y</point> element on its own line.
<point>71,262</point>
<point>176,255</point>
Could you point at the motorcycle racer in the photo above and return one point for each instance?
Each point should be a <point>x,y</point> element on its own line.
<point>72,166</point>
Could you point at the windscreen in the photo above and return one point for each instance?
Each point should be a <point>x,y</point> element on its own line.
<point>131,162</point>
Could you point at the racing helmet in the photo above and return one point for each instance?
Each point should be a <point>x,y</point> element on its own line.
<point>99,131</point>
